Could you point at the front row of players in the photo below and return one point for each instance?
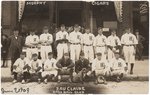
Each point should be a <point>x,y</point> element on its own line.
<point>78,72</point>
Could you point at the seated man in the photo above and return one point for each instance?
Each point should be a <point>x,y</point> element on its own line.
<point>100,68</point>
<point>50,69</point>
<point>82,68</point>
<point>21,67</point>
<point>65,67</point>
<point>36,67</point>
<point>118,67</point>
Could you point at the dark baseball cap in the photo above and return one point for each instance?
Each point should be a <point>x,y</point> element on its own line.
<point>33,55</point>
<point>66,54</point>
<point>82,54</point>
<point>50,53</point>
<point>99,54</point>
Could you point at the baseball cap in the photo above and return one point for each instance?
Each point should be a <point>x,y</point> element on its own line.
<point>50,53</point>
<point>98,54</point>
<point>33,55</point>
<point>82,54</point>
<point>66,54</point>
<point>22,53</point>
<point>117,52</point>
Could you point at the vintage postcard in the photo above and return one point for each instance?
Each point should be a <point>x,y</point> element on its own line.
<point>74,47</point>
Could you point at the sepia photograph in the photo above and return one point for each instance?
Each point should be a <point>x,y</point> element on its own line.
<point>74,47</point>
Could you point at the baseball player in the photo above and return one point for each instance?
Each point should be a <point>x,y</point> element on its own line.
<point>100,43</point>
<point>100,68</point>
<point>62,42</point>
<point>50,69</point>
<point>21,67</point>
<point>118,67</point>
<point>88,40</point>
<point>46,40</point>
<point>65,67</point>
<point>32,42</point>
<point>36,67</point>
<point>82,68</point>
<point>113,44</point>
<point>75,39</point>
<point>129,42</point>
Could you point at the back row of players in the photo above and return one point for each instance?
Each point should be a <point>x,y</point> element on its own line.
<point>75,42</point>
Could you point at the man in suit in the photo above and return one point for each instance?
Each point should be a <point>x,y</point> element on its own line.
<point>15,43</point>
<point>139,47</point>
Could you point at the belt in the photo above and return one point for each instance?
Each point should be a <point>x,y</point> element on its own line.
<point>46,45</point>
<point>128,45</point>
<point>75,43</point>
<point>87,45</point>
<point>33,47</point>
<point>100,46</point>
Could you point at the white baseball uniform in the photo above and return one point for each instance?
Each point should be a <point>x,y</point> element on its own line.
<point>118,66</point>
<point>88,40</point>
<point>100,67</point>
<point>46,40</point>
<point>20,63</point>
<point>62,46</point>
<point>129,40</point>
<point>31,40</point>
<point>100,45</point>
<point>112,41</point>
<point>34,65</point>
<point>50,67</point>
<point>75,38</point>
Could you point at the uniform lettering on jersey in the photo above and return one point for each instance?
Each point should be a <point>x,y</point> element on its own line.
<point>90,37</point>
<point>119,64</point>
<point>64,36</point>
<point>34,39</point>
<point>78,37</point>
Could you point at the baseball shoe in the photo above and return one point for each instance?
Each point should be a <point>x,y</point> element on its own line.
<point>23,81</point>
<point>14,81</point>
<point>39,81</point>
<point>131,72</point>
<point>45,81</point>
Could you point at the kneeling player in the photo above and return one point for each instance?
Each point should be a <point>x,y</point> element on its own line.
<point>65,67</point>
<point>21,67</point>
<point>50,69</point>
<point>118,67</point>
<point>100,68</point>
<point>36,67</point>
<point>82,68</point>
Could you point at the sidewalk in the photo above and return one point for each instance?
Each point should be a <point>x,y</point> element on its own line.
<point>141,72</point>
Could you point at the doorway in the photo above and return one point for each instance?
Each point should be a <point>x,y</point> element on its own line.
<point>69,17</point>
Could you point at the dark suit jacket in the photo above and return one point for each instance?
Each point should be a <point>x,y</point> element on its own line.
<point>79,65</point>
<point>62,63</point>
<point>140,41</point>
<point>15,44</point>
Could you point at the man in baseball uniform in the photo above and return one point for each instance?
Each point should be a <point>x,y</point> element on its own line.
<point>100,43</point>
<point>75,39</point>
<point>21,67</point>
<point>50,69</point>
<point>88,40</point>
<point>113,44</point>
<point>129,42</point>
<point>32,42</point>
<point>46,40</point>
<point>100,68</point>
<point>36,67</point>
<point>62,42</point>
<point>118,67</point>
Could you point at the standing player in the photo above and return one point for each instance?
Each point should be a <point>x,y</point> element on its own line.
<point>100,43</point>
<point>129,42</point>
<point>100,68</point>
<point>50,69</point>
<point>46,40</point>
<point>32,42</point>
<point>118,67</point>
<point>62,42</point>
<point>88,40</point>
<point>75,39</point>
<point>113,44</point>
